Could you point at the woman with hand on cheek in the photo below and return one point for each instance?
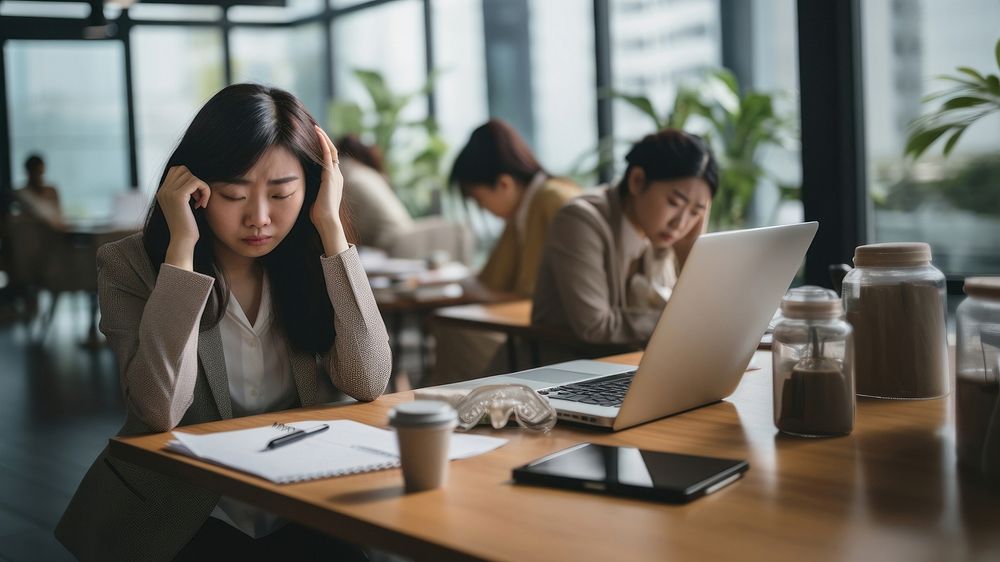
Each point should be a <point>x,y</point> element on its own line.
<point>612,258</point>
<point>241,296</point>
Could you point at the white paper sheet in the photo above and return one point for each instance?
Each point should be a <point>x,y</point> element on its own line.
<point>348,447</point>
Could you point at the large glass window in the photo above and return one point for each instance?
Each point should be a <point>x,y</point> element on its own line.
<point>140,11</point>
<point>461,63</point>
<point>775,71</point>
<point>388,40</point>
<point>655,47</point>
<point>290,11</point>
<point>563,78</point>
<point>289,58</point>
<point>66,101</point>
<point>44,9</point>
<point>175,70</point>
<point>950,202</point>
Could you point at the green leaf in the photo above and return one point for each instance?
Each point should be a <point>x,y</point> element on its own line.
<point>994,84</point>
<point>642,103</point>
<point>971,72</point>
<point>432,79</point>
<point>375,84</point>
<point>954,139</point>
<point>997,52</point>
<point>721,87</point>
<point>344,118</point>
<point>963,101</point>
<point>728,78</point>
<point>960,80</point>
<point>921,139</point>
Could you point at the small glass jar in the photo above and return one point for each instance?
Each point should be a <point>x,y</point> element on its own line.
<point>813,365</point>
<point>977,377</point>
<point>896,302</point>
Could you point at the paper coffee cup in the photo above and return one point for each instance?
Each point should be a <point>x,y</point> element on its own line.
<point>423,428</point>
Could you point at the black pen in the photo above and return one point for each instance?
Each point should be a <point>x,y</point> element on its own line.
<point>295,436</point>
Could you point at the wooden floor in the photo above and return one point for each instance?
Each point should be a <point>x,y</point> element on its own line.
<point>59,403</point>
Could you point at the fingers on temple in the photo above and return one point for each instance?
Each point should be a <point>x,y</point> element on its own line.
<point>330,155</point>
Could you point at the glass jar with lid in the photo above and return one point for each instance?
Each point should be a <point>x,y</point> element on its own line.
<point>895,300</point>
<point>977,377</point>
<point>813,365</point>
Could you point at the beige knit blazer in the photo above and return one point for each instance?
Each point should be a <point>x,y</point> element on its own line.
<point>582,286</point>
<point>173,374</point>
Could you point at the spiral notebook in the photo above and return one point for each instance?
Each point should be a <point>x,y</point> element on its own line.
<point>348,447</point>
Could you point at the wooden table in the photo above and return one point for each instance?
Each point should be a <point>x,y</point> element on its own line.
<point>513,319</point>
<point>397,307</point>
<point>888,491</point>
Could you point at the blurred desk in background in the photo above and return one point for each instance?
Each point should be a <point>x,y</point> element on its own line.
<point>513,319</point>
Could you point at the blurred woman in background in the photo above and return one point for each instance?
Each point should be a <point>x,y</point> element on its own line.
<point>612,257</point>
<point>497,170</point>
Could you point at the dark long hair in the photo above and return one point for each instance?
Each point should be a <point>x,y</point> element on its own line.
<point>225,139</point>
<point>672,154</point>
<point>494,148</point>
<point>351,146</point>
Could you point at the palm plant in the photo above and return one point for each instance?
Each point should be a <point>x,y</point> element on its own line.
<point>413,161</point>
<point>972,97</point>
<point>737,126</point>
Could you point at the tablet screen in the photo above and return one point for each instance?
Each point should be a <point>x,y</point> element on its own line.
<point>616,466</point>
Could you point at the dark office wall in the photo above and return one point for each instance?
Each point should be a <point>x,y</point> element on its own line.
<point>834,188</point>
<point>507,36</point>
<point>736,21</point>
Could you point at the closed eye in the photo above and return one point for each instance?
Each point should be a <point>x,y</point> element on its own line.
<point>283,196</point>
<point>232,197</point>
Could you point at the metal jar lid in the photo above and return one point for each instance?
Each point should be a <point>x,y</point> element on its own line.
<point>422,413</point>
<point>892,254</point>
<point>811,302</point>
<point>983,287</point>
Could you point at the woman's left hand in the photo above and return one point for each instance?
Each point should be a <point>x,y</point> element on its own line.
<point>325,212</point>
<point>331,189</point>
<point>683,246</point>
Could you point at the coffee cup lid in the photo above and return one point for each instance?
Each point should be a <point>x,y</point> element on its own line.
<point>422,412</point>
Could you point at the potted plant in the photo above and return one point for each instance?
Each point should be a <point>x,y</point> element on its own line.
<point>971,97</point>
<point>737,124</point>
<point>413,162</point>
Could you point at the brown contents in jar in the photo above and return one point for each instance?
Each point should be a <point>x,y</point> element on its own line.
<point>975,401</point>
<point>817,399</point>
<point>900,342</point>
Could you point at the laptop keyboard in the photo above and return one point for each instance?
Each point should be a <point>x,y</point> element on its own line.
<point>605,391</point>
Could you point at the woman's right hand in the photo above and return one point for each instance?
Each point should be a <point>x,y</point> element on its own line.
<point>180,188</point>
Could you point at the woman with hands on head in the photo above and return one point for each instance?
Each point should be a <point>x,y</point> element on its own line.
<point>241,296</point>
<point>612,258</point>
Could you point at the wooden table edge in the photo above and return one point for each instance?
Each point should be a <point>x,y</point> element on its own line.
<point>331,522</point>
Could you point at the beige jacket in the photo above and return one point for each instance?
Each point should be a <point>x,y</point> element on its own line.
<point>512,266</point>
<point>582,285</point>
<point>377,214</point>
<point>173,374</point>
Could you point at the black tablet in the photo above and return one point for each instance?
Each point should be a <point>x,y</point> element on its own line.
<point>627,471</point>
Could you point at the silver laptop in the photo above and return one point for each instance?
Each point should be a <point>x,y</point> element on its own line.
<point>722,303</point>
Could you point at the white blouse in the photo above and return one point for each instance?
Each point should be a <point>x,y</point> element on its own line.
<point>260,380</point>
